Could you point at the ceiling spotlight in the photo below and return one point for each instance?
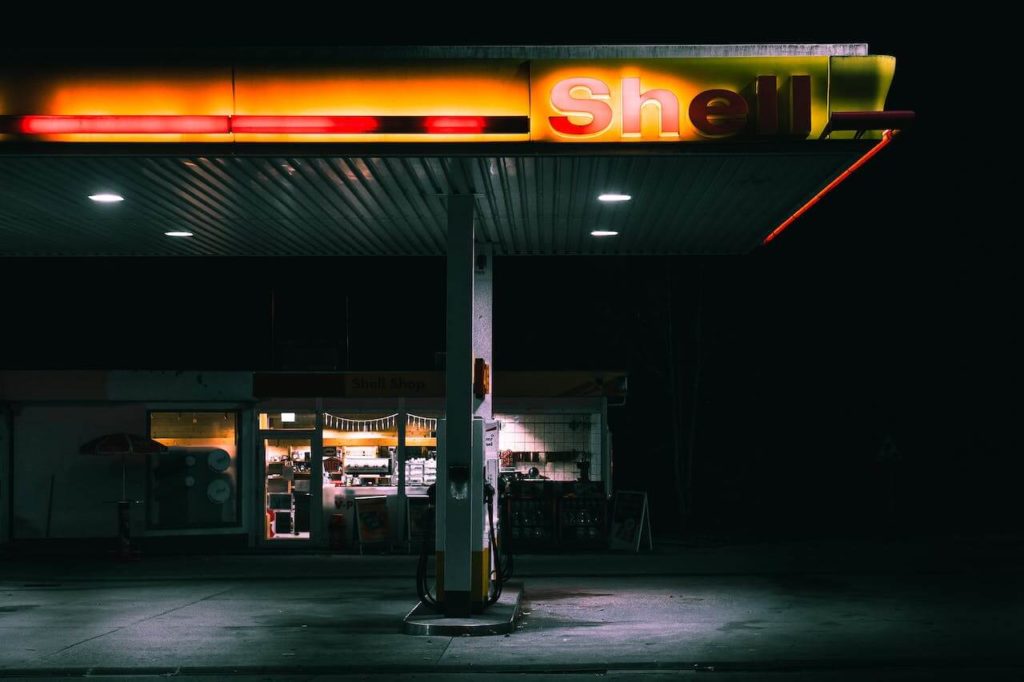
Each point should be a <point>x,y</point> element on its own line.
<point>603,233</point>
<point>178,233</point>
<point>614,197</point>
<point>106,198</point>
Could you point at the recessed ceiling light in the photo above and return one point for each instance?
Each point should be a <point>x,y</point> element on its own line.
<point>614,197</point>
<point>106,198</point>
<point>178,233</point>
<point>603,233</point>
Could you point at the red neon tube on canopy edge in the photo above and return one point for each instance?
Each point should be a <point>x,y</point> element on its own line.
<point>886,139</point>
<point>337,125</point>
<point>121,125</point>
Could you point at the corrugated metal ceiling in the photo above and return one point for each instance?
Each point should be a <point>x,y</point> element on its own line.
<point>703,202</point>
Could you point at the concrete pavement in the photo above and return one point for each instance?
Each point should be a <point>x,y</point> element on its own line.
<point>324,617</point>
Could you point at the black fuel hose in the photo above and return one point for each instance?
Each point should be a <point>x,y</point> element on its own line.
<point>422,588</point>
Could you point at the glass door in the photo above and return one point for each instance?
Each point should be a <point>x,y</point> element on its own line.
<point>288,468</point>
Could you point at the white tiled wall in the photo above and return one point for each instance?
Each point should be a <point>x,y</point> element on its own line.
<point>553,433</point>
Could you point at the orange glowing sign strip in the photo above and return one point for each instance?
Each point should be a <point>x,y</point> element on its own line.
<point>886,139</point>
<point>311,125</point>
<point>156,125</point>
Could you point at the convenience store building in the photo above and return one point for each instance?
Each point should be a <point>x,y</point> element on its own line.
<point>252,457</point>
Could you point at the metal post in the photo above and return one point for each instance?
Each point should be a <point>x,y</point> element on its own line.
<point>317,522</point>
<point>455,511</point>
<point>400,455</point>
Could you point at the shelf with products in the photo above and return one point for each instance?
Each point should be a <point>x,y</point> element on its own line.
<point>288,479</point>
<point>530,516</point>
<point>531,522</point>
<point>582,520</point>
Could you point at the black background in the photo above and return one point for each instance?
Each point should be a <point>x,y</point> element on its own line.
<point>889,309</point>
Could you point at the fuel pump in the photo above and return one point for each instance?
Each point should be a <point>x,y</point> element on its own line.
<point>473,536</point>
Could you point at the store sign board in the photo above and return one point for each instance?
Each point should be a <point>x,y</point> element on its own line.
<point>590,101</point>
<point>372,520</point>
<point>394,384</point>
<point>631,521</point>
<point>417,518</point>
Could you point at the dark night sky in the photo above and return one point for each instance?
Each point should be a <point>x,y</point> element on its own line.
<point>889,308</point>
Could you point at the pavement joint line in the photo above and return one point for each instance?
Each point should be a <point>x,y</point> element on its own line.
<point>442,654</point>
<point>69,646</point>
<point>122,627</point>
<point>178,608</point>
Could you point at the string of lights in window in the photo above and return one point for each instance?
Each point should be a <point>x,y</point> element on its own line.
<point>386,423</point>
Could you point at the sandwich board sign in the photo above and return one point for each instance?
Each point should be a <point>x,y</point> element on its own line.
<point>417,517</point>
<point>631,521</point>
<point>372,515</point>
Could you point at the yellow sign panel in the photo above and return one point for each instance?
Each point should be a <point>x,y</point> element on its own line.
<point>678,100</point>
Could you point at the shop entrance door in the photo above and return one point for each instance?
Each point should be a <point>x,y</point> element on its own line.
<point>291,479</point>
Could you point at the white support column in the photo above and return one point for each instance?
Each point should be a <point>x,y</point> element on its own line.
<point>457,499</point>
<point>483,279</point>
<point>483,408</point>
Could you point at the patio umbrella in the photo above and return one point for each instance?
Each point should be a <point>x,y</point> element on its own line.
<point>123,445</point>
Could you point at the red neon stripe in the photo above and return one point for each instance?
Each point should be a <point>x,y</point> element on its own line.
<point>465,125</point>
<point>886,139</point>
<point>274,125</point>
<point>56,125</point>
<point>305,124</point>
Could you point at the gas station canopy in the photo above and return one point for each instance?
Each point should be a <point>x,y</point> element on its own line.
<point>355,152</point>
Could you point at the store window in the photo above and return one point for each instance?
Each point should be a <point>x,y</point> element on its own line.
<point>420,452</point>
<point>287,421</point>
<point>557,447</point>
<point>196,483</point>
<point>360,450</point>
